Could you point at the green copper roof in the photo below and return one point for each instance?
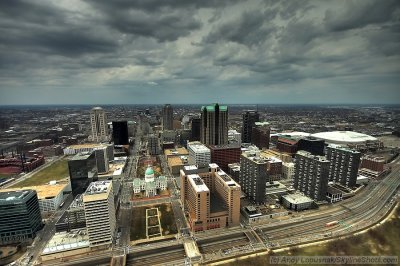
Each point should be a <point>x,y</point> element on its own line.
<point>211,108</point>
<point>149,171</point>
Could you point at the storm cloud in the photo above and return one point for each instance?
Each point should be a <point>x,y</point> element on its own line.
<point>193,51</point>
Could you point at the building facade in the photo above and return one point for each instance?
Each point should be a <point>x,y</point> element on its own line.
<point>234,137</point>
<point>20,217</point>
<point>225,154</point>
<point>167,117</point>
<point>153,145</point>
<point>102,161</point>
<point>250,117</point>
<point>214,124</point>
<point>98,121</point>
<point>82,171</point>
<point>311,175</point>
<point>199,154</point>
<point>120,134</point>
<point>344,165</point>
<point>98,202</point>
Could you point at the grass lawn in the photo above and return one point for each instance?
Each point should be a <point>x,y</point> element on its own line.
<point>56,171</point>
<point>138,224</point>
<point>383,240</point>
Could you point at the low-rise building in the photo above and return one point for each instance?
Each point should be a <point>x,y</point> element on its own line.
<point>287,170</point>
<point>176,163</point>
<point>297,202</point>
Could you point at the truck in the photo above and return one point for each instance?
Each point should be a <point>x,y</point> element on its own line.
<point>331,223</point>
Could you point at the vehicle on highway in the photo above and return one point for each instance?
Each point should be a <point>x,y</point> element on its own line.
<point>331,223</point>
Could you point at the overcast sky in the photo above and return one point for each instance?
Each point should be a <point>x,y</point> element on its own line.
<point>182,51</point>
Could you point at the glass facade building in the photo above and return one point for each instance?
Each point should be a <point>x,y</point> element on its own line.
<point>82,171</point>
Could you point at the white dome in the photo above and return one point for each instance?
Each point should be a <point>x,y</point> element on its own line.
<point>344,137</point>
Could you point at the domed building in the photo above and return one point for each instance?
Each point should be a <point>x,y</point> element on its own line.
<point>150,183</point>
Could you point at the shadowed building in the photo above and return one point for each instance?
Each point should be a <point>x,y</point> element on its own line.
<point>120,133</point>
<point>167,117</point>
<point>249,119</point>
<point>214,124</point>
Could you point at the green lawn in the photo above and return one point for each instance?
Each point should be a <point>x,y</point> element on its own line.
<point>138,224</point>
<point>383,240</point>
<point>56,171</point>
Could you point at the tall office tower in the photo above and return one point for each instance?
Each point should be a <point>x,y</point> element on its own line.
<point>153,145</point>
<point>167,117</point>
<point>82,170</point>
<point>214,124</point>
<point>20,217</point>
<point>225,154</point>
<point>311,175</point>
<point>249,119</point>
<point>120,133</point>
<point>260,135</point>
<point>344,164</point>
<point>98,120</point>
<point>98,202</point>
<point>253,175</point>
<point>211,197</point>
<point>102,161</point>
<point>313,145</point>
<point>195,130</point>
<point>199,154</point>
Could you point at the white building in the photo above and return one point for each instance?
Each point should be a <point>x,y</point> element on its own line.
<point>150,184</point>
<point>199,154</point>
<point>98,121</point>
<point>288,170</point>
<point>234,137</point>
<point>98,201</point>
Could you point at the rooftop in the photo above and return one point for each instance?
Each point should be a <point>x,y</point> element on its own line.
<point>65,241</point>
<point>225,146</point>
<point>175,161</point>
<point>13,194</point>
<point>198,183</point>
<point>338,147</point>
<point>344,137</point>
<point>211,108</point>
<point>81,156</point>
<point>198,147</point>
<point>86,146</point>
<point>297,198</point>
<point>311,156</point>
<point>177,151</point>
<point>97,191</point>
<point>43,191</point>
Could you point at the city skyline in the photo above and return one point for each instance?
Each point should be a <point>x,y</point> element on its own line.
<point>266,52</point>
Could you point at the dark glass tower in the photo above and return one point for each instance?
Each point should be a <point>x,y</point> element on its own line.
<point>120,133</point>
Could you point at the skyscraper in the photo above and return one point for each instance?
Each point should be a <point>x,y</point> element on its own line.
<point>250,117</point>
<point>167,118</point>
<point>214,124</point>
<point>120,133</point>
<point>260,135</point>
<point>311,175</point>
<point>82,170</point>
<point>98,120</point>
<point>195,130</point>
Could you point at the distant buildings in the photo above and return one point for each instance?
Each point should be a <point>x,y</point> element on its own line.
<point>210,196</point>
<point>343,165</point>
<point>253,175</point>
<point>98,121</point>
<point>234,137</point>
<point>199,154</point>
<point>214,124</point>
<point>120,133</point>
<point>225,154</point>
<point>249,119</point>
<point>20,217</point>
<point>260,135</point>
<point>82,171</point>
<point>167,117</point>
<point>311,175</point>
<point>98,202</point>
<point>153,145</point>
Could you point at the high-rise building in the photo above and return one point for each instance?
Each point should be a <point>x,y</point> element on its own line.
<point>311,175</point>
<point>98,201</point>
<point>225,154</point>
<point>195,130</point>
<point>199,154</point>
<point>249,119</point>
<point>211,197</point>
<point>102,161</point>
<point>253,175</point>
<point>153,145</point>
<point>120,133</point>
<point>82,171</point>
<point>98,121</point>
<point>214,124</point>
<point>20,217</point>
<point>313,145</point>
<point>344,165</point>
<point>260,135</point>
<point>167,117</point>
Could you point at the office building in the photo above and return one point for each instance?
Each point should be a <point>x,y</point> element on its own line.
<point>82,171</point>
<point>287,145</point>
<point>225,154</point>
<point>372,166</point>
<point>253,175</point>
<point>167,117</point>
<point>120,133</point>
<point>311,175</point>
<point>102,161</point>
<point>88,147</point>
<point>169,136</point>
<point>73,217</point>
<point>195,129</point>
<point>20,217</point>
<point>211,197</point>
<point>234,137</point>
<point>344,165</point>
<point>199,154</point>
<point>260,135</point>
<point>287,170</point>
<point>98,121</point>
<point>249,119</point>
<point>313,145</point>
<point>98,202</point>
<point>152,145</point>
<point>214,124</point>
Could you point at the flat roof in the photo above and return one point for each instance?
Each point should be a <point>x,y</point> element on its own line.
<point>177,151</point>
<point>198,183</point>
<point>344,137</point>
<point>174,161</point>
<point>339,147</point>
<point>97,191</point>
<point>43,191</point>
<point>310,155</point>
<point>191,249</point>
<point>65,241</point>
<point>211,108</point>
<point>297,198</point>
<point>86,145</point>
<point>332,190</point>
<point>225,146</point>
<point>81,156</point>
<point>14,194</point>
<point>198,147</point>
